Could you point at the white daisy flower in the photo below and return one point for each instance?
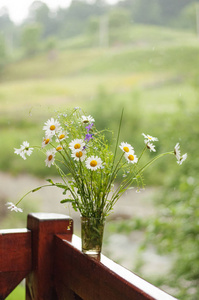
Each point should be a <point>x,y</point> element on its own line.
<point>149,138</point>
<point>182,158</point>
<point>151,147</point>
<point>52,127</point>
<point>87,119</point>
<point>59,148</point>
<point>76,144</point>
<point>79,155</point>
<point>12,207</point>
<point>61,136</point>
<point>93,163</point>
<point>126,147</point>
<point>177,153</point>
<point>50,157</point>
<point>46,141</point>
<point>24,150</point>
<point>131,157</point>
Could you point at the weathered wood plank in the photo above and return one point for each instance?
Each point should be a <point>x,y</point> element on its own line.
<point>91,279</point>
<point>39,283</point>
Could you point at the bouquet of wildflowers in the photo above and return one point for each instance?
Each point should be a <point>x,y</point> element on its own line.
<point>87,166</point>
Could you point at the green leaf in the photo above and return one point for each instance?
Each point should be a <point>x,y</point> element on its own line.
<point>36,189</point>
<point>66,200</point>
<point>74,206</point>
<point>50,180</point>
<point>61,186</point>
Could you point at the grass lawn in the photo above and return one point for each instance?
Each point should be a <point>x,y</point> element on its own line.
<point>17,294</point>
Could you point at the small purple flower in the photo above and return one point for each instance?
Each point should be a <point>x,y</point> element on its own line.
<point>89,127</point>
<point>88,137</point>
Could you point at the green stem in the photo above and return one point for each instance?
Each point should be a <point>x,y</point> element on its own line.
<point>91,172</point>
<point>117,142</point>
<point>142,153</point>
<point>153,160</point>
<point>123,187</point>
<point>126,184</point>
<point>84,185</point>
<point>34,190</point>
<point>114,173</point>
<point>62,174</point>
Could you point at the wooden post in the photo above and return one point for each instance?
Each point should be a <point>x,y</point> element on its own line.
<point>39,283</point>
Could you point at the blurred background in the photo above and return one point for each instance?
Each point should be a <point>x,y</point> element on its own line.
<point>102,56</point>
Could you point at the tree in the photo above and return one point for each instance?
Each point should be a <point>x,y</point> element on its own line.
<point>7,28</point>
<point>3,52</point>
<point>171,9</point>
<point>119,18</point>
<point>40,13</point>
<point>74,20</point>
<point>30,39</point>
<point>147,12</point>
<point>188,18</point>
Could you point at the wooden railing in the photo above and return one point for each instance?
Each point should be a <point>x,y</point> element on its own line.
<point>49,256</point>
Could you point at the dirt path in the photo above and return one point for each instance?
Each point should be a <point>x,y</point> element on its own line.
<point>12,188</point>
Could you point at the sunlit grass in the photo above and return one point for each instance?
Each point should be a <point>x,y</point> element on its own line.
<point>17,294</point>
<point>54,93</point>
<point>27,91</point>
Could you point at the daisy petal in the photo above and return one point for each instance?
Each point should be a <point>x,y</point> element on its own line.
<point>125,147</point>
<point>93,163</point>
<point>12,207</point>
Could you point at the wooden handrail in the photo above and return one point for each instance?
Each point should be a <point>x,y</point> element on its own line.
<point>91,279</point>
<point>50,257</point>
<point>15,259</point>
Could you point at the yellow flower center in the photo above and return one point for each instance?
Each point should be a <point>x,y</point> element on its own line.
<point>52,127</point>
<point>79,154</point>
<point>50,157</point>
<point>59,148</point>
<point>93,163</point>
<point>126,149</point>
<point>131,157</point>
<point>61,136</point>
<point>77,146</point>
<point>46,141</point>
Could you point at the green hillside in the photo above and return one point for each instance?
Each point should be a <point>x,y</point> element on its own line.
<point>151,49</point>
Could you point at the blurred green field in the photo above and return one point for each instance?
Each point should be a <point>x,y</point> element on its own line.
<point>156,81</point>
<point>153,84</point>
